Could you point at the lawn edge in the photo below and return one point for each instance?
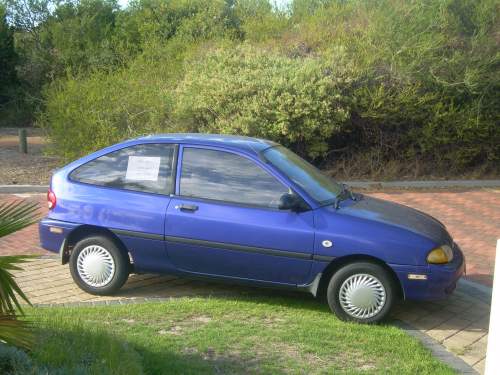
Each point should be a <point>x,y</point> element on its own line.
<point>437,350</point>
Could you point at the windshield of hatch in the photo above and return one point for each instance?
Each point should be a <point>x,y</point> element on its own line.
<point>321,188</point>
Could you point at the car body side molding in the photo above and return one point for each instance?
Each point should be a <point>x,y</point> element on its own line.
<point>223,245</point>
<point>131,233</point>
<point>235,247</point>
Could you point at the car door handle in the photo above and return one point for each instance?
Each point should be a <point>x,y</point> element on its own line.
<point>187,207</point>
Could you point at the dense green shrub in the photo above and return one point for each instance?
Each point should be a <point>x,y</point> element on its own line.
<point>259,21</point>
<point>427,76</point>
<point>14,361</point>
<point>9,108</point>
<point>83,115</point>
<point>243,90</point>
<point>412,81</point>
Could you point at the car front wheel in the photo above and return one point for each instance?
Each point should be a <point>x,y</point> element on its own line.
<point>362,292</point>
<point>98,266</point>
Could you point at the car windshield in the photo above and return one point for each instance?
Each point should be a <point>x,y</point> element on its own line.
<point>321,188</point>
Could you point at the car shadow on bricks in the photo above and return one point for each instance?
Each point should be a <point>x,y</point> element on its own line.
<point>166,287</point>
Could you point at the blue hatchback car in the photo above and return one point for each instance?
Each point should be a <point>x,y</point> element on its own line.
<point>244,210</point>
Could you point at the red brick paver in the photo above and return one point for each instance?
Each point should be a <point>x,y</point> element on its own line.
<point>472,217</point>
<point>25,241</point>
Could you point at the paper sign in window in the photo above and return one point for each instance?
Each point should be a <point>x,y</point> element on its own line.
<point>143,168</point>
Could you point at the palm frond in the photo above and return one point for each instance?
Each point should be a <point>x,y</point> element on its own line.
<point>15,332</point>
<point>17,215</point>
<point>9,290</point>
<point>14,216</point>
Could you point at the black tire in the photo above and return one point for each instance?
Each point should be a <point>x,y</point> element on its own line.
<point>119,257</point>
<point>361,268</point>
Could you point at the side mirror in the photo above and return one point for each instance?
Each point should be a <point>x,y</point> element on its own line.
<point>291,201</point>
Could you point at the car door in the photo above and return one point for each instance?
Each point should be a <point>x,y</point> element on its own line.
<point>127,191</point>
<point>224,220</point>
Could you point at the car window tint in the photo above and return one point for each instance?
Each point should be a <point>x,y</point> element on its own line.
<point>227,177</point>
<point>146,167</point>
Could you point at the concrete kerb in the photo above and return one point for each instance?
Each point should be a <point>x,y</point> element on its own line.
<point>471,288</point>
<point>23,189</point>
<point>437,349</point>
<point>433,184</point>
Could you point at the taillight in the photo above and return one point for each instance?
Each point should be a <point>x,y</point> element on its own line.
<point>51,199</point>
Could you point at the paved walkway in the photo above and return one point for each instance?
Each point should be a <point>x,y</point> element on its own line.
<point>472,217</point>
<point>460,323</point>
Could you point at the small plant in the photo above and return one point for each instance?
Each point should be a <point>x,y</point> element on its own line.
<point>14,361</point>
<point>14,216</point>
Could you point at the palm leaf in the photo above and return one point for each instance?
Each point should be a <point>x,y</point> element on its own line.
<point>14,216</point>
<point>17,215</point>
<point>15,332</point>
<point>9,290</point>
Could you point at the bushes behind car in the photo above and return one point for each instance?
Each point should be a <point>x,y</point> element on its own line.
<point>414,82</point>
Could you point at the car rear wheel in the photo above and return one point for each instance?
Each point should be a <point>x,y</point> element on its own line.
<point>98,266</point>
<point>362,292</point>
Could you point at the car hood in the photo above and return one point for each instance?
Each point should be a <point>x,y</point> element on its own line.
<point>398,215</point>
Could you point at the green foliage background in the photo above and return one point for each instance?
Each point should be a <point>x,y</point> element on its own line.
<point>354,85</point>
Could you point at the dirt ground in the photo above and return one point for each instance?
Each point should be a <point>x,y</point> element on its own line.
<point>17,168</point>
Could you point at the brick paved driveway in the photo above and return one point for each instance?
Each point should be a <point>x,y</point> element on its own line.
<point>472,217</point>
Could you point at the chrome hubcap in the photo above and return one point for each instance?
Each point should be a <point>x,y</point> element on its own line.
<point>362,296</point>
<point>96,266</point>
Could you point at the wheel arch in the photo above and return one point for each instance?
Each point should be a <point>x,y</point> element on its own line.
<point>340,262</point>
<point>84,231</point>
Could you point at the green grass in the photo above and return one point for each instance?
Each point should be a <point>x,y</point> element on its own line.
<point>247,334</point>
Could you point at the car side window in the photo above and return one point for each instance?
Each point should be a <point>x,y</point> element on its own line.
<point>228,177</point>
<point>146,167</point>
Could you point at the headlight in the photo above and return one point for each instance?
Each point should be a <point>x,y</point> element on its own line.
<point>440,255</point>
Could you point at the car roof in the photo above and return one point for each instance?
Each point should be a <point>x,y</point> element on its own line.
<point>249,144</point>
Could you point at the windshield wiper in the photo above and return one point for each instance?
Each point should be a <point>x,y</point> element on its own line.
<point>339,197</point>
<point>351,194</point>
<point>342,196</point>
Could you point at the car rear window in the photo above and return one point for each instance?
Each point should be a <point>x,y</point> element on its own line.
<point>147,168</point>
<point>228,177</point>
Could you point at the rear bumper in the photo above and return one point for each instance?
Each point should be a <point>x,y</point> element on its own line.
<point>441,279</point>
<point>53,233</point>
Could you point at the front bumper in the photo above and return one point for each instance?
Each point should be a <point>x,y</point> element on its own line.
<point>441,280</point>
